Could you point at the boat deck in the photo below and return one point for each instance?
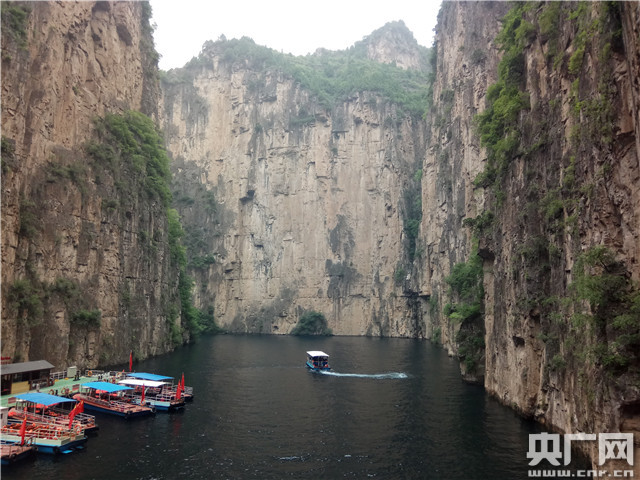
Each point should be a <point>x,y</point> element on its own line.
<point>10,452</point>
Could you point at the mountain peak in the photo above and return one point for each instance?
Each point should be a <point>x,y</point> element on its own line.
<point>393,43</point>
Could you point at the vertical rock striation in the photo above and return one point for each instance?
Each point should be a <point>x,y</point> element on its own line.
<point>86,275</point>
<point>526,265</point>
<point>466,64</point>
<point>291,205</point>
<point>534,169</point>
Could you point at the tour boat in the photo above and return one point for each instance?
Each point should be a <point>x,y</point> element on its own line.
<point>45,408</point>
<point>180,390</point>
<point>105,397</point>
<point>46,437</point>
<point>317,360</point>
<point>154,393</point>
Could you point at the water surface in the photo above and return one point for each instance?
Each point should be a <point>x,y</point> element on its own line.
<point>390,409</point>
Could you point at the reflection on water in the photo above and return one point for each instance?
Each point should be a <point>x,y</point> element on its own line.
<point>392,408</point>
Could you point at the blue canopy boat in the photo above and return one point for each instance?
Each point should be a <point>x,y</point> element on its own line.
<point>317,360</point>
<point>105,397</point>
<point>47,436</point>
<point>46,408</point>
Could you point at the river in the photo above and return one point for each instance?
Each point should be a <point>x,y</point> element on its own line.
<point>401,411</point>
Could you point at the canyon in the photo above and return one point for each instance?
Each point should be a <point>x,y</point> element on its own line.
<point>501,221</point>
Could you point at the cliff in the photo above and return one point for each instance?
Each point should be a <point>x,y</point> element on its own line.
<point>503,224</point>
<point>530,218</point>
<point>86,269</point>
<point>291,202</point>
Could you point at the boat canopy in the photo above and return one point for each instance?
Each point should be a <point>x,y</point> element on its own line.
<point>43,398</point>
<point>105,386</point>
<point>136,382</point>
<point>149,376</point>
<point>317,353</point>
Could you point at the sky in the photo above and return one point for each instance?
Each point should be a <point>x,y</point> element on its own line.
<point>290,26</point>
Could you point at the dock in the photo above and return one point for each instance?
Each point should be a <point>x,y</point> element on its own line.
<point>65,386</point>
<point>10,452</point>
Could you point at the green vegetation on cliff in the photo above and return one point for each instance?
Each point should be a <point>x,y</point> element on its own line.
<point>412,213</point>
<point>466,287</point>
<point>581,295</point>
<point>14,21</point>
<point>614,319</point>
<point>498,125</point>
<point>132,142</point>
<point>331,76</point>
<point>135,138</point>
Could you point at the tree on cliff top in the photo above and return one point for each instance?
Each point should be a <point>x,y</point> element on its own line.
<point>332,76</point>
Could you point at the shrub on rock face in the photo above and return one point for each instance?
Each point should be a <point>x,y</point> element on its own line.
<point>312,323</point>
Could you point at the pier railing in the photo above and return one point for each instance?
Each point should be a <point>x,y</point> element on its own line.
<point>40,430</point>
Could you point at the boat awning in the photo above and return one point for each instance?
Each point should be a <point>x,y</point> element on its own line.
<point>43,398</point>
<point>149,376</point>
<point>136,382</point>
<point>105,386</point>
<point>316,353</point>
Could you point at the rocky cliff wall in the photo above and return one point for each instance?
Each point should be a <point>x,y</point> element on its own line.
<point>533,170</point>
<point>466,64</point>
<point>305,204</point>
<point>86,276</point>
<point>526,266</point>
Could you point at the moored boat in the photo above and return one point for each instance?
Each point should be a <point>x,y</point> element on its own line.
<point>179,390</point>
<point>105,397</point>
<point>317,360</point>
<point>153,393</point>
<point>45,408</point>
<point>46,437</point>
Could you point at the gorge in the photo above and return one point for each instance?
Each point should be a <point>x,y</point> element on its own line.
<point>492,206</point>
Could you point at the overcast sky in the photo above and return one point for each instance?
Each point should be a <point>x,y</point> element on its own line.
<point>290,26</point>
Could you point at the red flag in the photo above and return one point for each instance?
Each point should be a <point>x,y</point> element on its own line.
<point>182,381</point>
<point>81,407</point>
<point>131,361</point>
<point>179,391</point>
<point>23,431</point>
<point>73,414</point>
<point>142,397</point>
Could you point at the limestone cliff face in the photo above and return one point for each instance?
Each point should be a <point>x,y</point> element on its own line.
<point>526,265</point>
<point>85,266</point>
<point>305,204</point>
<point>555,219</point>
<point>464,70</point>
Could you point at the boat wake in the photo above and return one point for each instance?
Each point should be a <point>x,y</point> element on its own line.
<point>377,376</point>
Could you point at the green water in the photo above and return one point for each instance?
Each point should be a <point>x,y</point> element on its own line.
<point>391,409</point>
